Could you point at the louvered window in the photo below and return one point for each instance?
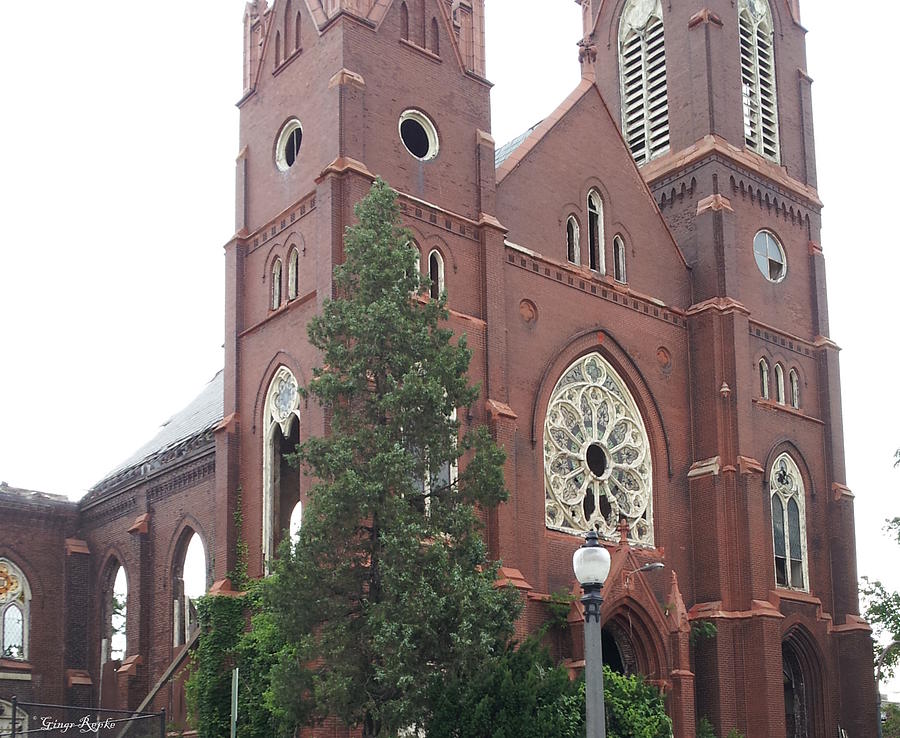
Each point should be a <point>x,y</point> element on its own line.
<point>642,69</point>
<point>758,78</point>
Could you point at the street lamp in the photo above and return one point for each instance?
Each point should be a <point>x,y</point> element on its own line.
<point>591,564</point>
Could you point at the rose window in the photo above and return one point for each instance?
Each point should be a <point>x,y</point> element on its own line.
<point>597,466</point>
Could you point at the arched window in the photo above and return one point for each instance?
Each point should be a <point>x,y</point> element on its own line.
<point>276,284</point>
<point>764,379</point>
<point>190,583</point>
<point>436,273</point>
<point>293,274</point>
<point>114,611</point>
<point>758,77</point>
<point>788,523</point>
<point>435,37</point>
<point>779,384</point>
<point>404,21</point>
<point>281,480</point>
<point>619,259</point>
<point>795,389</point>
<point>277,48</point>
<point>15,603</point>
<point>597,464</point>
<point>596,256</point>
<point>288,22</point>
<point>573,247</point>
<point>642,79</point>
<point>296,522</point>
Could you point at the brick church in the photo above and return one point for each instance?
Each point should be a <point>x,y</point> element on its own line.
<point>641,279</point>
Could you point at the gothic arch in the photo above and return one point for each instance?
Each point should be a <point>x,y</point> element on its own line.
<point>181,537</point>
<point>602,341</point>
<point>436,243</point>
<point>638,639</point>
<point>781,446</point>
<point>184,615</point>
<point>282,358</point>
<point>801,652</point>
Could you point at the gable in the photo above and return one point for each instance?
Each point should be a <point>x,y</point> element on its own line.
<point>548,176</point>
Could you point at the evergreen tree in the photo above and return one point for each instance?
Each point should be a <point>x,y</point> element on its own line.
<point>388,591</point>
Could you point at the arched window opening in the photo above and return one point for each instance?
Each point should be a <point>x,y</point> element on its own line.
<point>779,384</point>
<point>573,249</point>
<point>596,257</point>
<point>788,523</point>
<point>612,656</point>
<point>435,37</point>
<point>281,480</point>
<point>619,260</point>
<point>796,703</point>
<point>764,379</point>
<point>404,21</point>
<point>276,284</point>
<point>277,48</point>
<point>118,642</point>
<point>297,25</point>
<point>642,80</point>
<point>296,522</point>
<point>190,583</point>
<point>436,274</point>
<point>15,603</point>
<point>795,389</point>
<point>760,102</point>
<point>288,18</point>
<point>293,274</point>
<point>598,468</point>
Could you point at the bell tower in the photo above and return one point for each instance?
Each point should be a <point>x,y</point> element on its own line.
<point>335,93</point>
<point>714,101</point>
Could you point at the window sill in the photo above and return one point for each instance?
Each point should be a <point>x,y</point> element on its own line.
<point>773,405</point>
<point>421,50</point>
<point>15,670</point>
<point>287,61</point>
<point>794,595</point>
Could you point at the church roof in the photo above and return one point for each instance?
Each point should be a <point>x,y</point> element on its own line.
<point>501,154</point>
<point>202,414</point>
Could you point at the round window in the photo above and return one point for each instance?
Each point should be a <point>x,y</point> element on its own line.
<point>769,256</point>
<point>287,147</point>
<point>419,135</point>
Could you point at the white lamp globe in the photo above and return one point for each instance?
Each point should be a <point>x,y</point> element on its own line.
<point>591,562</point>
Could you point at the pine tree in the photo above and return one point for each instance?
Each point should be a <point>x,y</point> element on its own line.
<point>388,590</point>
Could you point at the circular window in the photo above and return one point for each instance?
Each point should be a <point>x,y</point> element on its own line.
<point>769,256</point>
<point>419,135</point>
<point>287,148</point>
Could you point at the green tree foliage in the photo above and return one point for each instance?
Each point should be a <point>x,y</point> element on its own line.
<point>634,708</point>
<point>517,695</point>
<point>388,591</point>
<point>522,695</point>
<point>882,607</point>
<point>890,728</point>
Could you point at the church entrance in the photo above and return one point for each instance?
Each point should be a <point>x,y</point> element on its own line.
<point>796,701</point>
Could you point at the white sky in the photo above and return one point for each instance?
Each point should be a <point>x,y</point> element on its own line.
<point>117,196</point>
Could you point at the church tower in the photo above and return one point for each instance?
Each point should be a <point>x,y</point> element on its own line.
<point>335,93</point>
<point>714,103</point>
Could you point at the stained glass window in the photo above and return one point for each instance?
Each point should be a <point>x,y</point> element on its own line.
<point>788,523</point>
<point>597,464</point>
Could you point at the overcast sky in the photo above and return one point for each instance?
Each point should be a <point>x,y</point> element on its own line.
<point>117,197</point>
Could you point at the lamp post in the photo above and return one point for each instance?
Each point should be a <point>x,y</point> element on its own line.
<point>591,564</point>
<point>884,653</point>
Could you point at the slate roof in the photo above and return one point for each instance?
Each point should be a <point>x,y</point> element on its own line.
<point>203,413</point>
<point>502,154</point>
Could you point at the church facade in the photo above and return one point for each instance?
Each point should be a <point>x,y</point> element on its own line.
<point>641,279</point>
